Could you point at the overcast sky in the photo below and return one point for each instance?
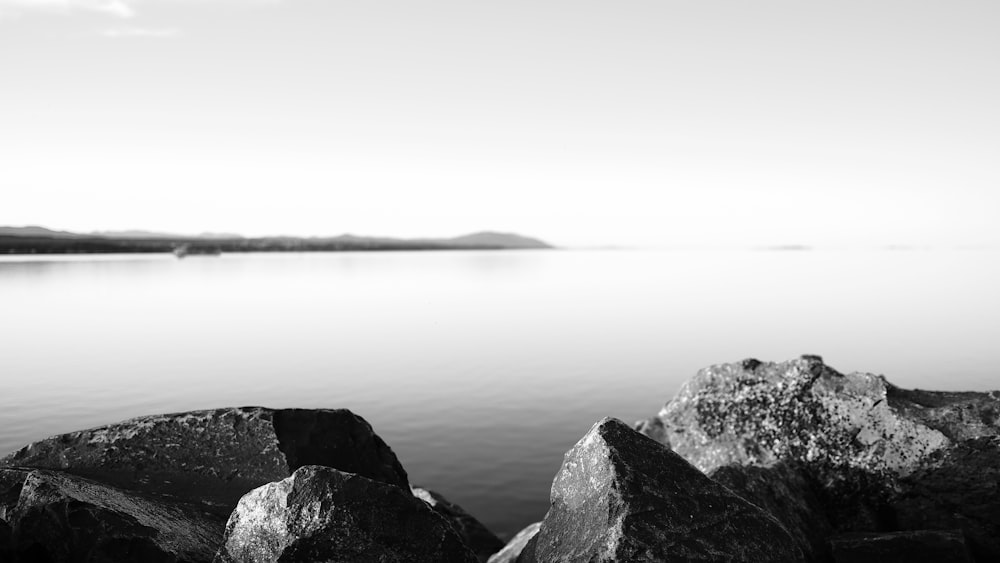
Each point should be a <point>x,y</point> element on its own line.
<point>580,122</point>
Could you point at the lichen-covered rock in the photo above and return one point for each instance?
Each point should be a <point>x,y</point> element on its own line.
<point>788,494</point>
<point>216,455</point>
<point>515,546</point>
<point>881,458</point>
<point>759,413</point>
<point>921,546</point>
<point>473,533</point>
<point>957,489</point>
<point>621,496</point>
<point>60,517</point>
<point>322,514</point>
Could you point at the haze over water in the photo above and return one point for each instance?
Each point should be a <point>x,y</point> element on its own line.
<point>480,369</point>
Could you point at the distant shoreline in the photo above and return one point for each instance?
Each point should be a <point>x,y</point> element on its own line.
<point>54,242</point>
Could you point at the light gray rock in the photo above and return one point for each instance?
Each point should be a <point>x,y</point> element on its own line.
<point>759,413</point>
<point>473,533</point>
<point>322,514</point>
<point>621,496</point>
<point>515,546</point>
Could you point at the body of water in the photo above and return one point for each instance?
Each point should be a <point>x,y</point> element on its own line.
<point>480,369</point>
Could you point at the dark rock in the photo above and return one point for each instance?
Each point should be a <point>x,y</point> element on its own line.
<point>923,546</point>
<point>515,546</point>
<point>787,493</point>
<point>6,551</point>
<point>216,455</point>
<point>473,533</point>
<point>959,488</point>
<point>11,483</point>
<point>60,517</point>
<point>621,496</point>
<point>322,514</point>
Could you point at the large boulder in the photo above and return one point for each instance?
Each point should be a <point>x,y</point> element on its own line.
<point>216,455</point>
<point>322,514</point>
<point>879,458</point>
<point>62,517</point>
<point>515,546</point>
<point>759,413</point>
<point>621,496</point>
<point>473,533</point>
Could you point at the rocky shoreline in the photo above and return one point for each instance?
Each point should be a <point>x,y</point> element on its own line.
<point>751,461</point>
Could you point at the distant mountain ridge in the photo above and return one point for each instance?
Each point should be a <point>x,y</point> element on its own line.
<point>36,239</point>
<point>36,231</point>
<point>154,234</point>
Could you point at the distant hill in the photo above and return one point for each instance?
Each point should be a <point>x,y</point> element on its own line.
<point>138,234</point>
<point>499,240</point>
<point>35,231</point>
<point>39,240</point>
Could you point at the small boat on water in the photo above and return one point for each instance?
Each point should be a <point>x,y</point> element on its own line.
<point>187,249</point>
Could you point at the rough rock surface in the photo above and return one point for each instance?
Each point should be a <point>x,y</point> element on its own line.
<point>757,413</point>
<point>788,494</point>
<point>474,534</point>
<point>216,455</point>
<point>515,546</point>
<point>881,458</point>
<point>61,517</point>
<point>922,546</point>
<point>621,496</point>
<point>322,514</point>
<point>959,488</point>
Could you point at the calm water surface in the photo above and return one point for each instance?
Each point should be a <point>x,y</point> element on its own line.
<point>480,369</point>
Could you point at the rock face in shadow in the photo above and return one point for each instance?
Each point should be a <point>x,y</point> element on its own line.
<point>515,546</point>
<point>879,458</point>
<point>621,496</point>
<point>960,489</point>
<point>6,553</point>
<point>473,533</point>
<point>923,546</point>
<point>216,455</point>
<point>60,517</point>
<point>322,514</point>
<point>787,493</point>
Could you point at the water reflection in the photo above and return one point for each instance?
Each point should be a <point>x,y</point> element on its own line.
<point>479,368</point>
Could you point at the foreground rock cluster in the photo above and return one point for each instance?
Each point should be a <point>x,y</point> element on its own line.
<point>227,485</point>
<point>750,462</point>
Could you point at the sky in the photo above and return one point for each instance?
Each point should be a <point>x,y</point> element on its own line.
<point>580,122</point>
